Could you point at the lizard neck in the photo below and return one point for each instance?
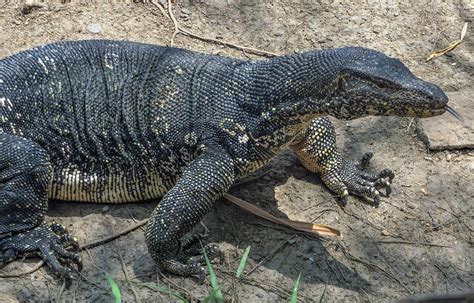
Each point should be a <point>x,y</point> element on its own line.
<point>287,92</point>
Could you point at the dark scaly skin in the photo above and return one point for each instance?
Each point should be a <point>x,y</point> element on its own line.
<point>110,121</point>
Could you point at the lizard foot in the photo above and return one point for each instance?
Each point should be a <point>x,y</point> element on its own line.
<point>47,241</point>
<point>353,178</point>
<point>191,260</point>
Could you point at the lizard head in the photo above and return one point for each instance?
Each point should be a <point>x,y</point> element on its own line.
<point>375,84</point>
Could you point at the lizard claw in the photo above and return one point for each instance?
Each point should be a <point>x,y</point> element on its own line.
<point>191,260</point>
<point>47,241</point>
<point>352,178</point>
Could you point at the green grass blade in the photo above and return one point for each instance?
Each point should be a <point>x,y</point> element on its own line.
<point>165,290</point>
<point>322,299</point>
<point>115,288</point>
<point>294,294</point>
<point>215,284</point>
<point>243,261</point>
<point>211,297</point>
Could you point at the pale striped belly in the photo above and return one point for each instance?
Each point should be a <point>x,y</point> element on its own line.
<point>70,184</point>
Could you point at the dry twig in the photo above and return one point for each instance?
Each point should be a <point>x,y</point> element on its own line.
<point>411,243</point>
<point>176,28</point>
<point>179,30</point>
<point>127,277</point>
<point>271,254</point>
<point>98,242</point>
<point>61,291</point>
<point>35,268</point>
<point>451,45</point>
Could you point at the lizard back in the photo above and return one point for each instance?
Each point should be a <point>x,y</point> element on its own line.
<point>113,116</point>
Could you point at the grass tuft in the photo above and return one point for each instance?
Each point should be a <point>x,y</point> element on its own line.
<point>216,294</point>
<point>115,289</point>
<point>243,261</point>
<point>294,294</point>
<point>322,299</point>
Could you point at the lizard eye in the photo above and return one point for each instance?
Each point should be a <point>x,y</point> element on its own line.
<point>383,83</point>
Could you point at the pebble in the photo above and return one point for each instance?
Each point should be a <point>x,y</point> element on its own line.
<point>292,241</point>
<point>186,11</point>
<point>449,157</point>
<point>105,209</point>
<point>94,28</point>
<point>279,33</point>
<point>410,274</point>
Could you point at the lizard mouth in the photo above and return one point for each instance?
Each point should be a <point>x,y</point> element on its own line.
<point>442,110</point>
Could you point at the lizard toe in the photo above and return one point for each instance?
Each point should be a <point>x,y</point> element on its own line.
<point>191,267</point>
<point>195,254</point>
<point>352,177</point>
<point>42,241</point>
<point>7,256</point>
<point>191,261</point>
<point>369,192</point>
<point>365,160</point>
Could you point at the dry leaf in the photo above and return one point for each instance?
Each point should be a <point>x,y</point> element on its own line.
<point>319,229</point>
<point>451,45</point>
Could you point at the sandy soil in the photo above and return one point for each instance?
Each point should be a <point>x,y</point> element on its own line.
<point>419,241</point>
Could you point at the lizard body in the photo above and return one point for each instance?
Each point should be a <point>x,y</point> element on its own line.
<point>114,121</point>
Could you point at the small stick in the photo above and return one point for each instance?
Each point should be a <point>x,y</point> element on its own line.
<point>409,125</point>
<point>179,30</point>
<point>271,254</point>
<point>77,288</point>
<point>60,292</point>
<point>98,242</point>
<point>250,50</point>
<point>162,10</point>
<point>35,268</point>
<point>182,289</point>
<point>176,27</point>
<point>127,278</point>
<point>412,243</point>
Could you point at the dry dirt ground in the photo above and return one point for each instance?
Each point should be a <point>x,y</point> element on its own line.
<point>419,241</point>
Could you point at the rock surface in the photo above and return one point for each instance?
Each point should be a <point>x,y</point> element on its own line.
<point>446,132</point>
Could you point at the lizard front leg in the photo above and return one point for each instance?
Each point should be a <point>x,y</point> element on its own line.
<point>316,148</point>
<point>25,173</point>
<point>205,180</point>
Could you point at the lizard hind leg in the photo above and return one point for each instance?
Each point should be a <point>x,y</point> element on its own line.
<point>205,180</point>
<point>25,173</point>
<point>316,149</point>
